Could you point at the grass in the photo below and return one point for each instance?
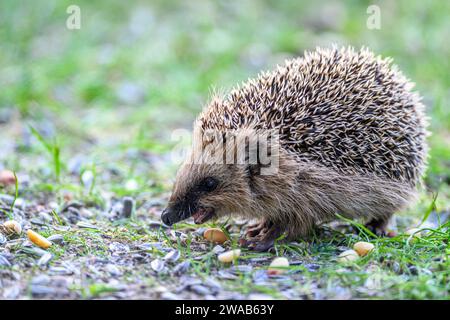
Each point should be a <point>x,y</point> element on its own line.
<point>104,100</point>
<point>53,150</point>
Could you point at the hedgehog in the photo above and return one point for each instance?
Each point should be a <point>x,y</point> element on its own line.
<point>341,131</point>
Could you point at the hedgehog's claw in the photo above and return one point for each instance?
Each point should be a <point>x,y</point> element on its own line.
<point>263,246</point>
<point>261,237</point>
<point>256,229</point>
<point>379,227</point>
<point>256,244</point>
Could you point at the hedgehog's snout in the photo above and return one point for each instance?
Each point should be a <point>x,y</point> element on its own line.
<point>173,214</point>
<point>168,217</point>
<point>179,209</point>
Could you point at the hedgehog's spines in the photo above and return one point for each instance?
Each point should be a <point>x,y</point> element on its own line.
<point>350,110</point>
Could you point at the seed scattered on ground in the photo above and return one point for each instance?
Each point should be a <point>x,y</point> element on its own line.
<point>4,261</point>
<point>172,256</point>
<point>348,255</point>
<point>363,248</point>
<point>157,265</point>
<point>218,249</point>
<point>56,238</point>
<point>199,289</point>
<point>278,266</point>
<point>2,239</point>
<point>12,227</point>
<point>229,256</point>
<point>182,267</point>
<point>215,235</point>
<point>45,259</point>
<point>38,240</point>
<point>86,225</point>
<point>7,177</point>
<point>38,252</point>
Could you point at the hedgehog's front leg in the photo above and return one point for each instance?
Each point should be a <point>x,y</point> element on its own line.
<point>379,226</point>
<point>261,236</point>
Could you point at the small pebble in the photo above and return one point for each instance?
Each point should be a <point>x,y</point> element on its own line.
<point>348,255</point>
<point>229,256</point>
<point>363,248</point>
<point>200,232</point>
<point>73,215</point>
<point>414,271</point>
<point>215,235</point>
<point>128,207</point>
<point>38,240</point>
<point>395,266</point>
<point>45,217</point>
<point>278,266</point>
<point>38,222</point>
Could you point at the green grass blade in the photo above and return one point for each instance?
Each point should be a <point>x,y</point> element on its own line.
<point>57,162</point>
<point>16,195</point>
<point>430,209</point>
<point>40,138</point>
<point>359,226</point>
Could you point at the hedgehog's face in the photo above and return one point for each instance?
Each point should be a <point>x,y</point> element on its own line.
<point>205,191</point>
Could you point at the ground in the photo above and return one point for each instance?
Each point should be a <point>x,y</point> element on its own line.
<point>86,120</point>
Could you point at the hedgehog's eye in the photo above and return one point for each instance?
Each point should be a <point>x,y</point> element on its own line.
<point>209,184</point>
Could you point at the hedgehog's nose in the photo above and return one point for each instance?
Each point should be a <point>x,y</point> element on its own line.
<point>166,217</point>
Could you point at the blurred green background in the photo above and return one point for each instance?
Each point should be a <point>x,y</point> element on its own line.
<point>135,70</point>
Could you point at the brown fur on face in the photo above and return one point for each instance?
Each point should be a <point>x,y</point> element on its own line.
<point>352,141</point>
<point>298,196</point>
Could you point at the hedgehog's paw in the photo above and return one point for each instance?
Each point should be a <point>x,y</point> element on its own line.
<point>379,227</point>
<point>257,228</point>
<point>257,244</point>
<point>261,236</point>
